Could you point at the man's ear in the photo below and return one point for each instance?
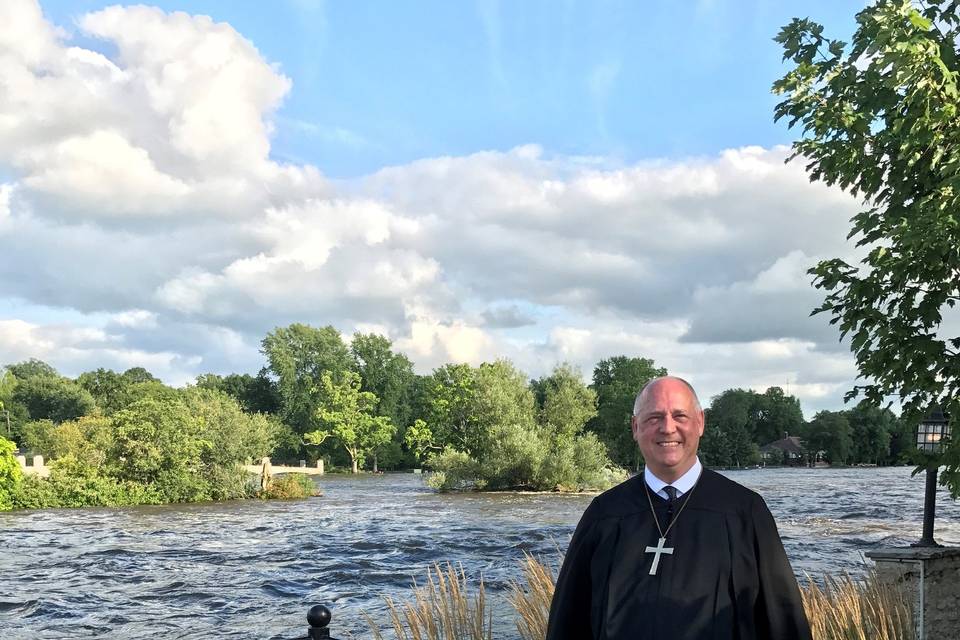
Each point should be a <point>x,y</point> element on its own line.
<point>703,421</point>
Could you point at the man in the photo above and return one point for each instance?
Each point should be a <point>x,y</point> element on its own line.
<point>678,552</point>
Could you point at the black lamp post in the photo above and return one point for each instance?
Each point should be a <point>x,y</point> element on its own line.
<point>930,436</point>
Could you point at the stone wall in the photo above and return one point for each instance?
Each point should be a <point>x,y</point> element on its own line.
<point>932,576</point>
<point>38,468</point>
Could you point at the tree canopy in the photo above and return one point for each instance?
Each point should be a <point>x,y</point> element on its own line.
<point>347,413</point>
<point>616,382</point>
<point>298,355</point>
<point>879,118</point>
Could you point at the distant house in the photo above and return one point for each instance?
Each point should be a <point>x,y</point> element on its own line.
<point>788,450</point>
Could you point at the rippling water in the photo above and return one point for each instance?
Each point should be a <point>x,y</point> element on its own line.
<point>251,569</point>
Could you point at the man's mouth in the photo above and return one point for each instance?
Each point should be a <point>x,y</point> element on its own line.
<point>672,443</point>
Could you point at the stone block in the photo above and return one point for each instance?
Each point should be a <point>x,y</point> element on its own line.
<point>931,575</point>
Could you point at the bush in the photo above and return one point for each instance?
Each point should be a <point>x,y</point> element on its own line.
<point>10,474</point>
<point>87,438</point>
<point>454,471</point>
<point>232,483</point>
<point>532,459</point>
<point>290,486</point>
<point>35,492</point>
<point>515,458</point>
<point>594,469</point>
<point>72,484</point>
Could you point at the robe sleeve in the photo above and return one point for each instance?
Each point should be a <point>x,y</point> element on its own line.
<point>779,608</point>
<point>570,609</point>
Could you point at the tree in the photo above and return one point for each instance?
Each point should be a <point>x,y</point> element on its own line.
<point>106,386</point>
<point>347,414</point>
<point>87,439</point>
<point>829,432</point>
<point>501,398</point>
<point>255,394</point>
<point>730,425</point>
<point>32,368</point>
<point>616,382</point>
<point>777,415</point>
<point>870,430</point>
<point>53,398</point>
<point>157,441</point>
<point>449,400</point>
<point>903,442</point>
<point>298,356</point>
<point>567,403</point>
<point>419,439</point>
<point>234,436</point>
<point>880,119</point>
<point>493,436</point>
<point>137,375</point>
<point>386,374</point>
<point>7,382</point>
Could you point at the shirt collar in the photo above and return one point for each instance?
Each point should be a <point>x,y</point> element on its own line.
<point>683,484</point>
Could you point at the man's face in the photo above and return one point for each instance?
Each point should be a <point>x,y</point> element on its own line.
<point>668,427</point>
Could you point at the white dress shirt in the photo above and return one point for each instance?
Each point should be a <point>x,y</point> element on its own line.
<point>682,484</point>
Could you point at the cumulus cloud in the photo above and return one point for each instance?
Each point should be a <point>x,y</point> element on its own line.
<point>143,197</point>
<point>74,349</point>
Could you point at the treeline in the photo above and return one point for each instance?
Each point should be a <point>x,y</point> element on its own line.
<point>360,405</point>
<point>740,422</point>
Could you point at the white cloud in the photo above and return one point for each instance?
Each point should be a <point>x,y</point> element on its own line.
<point>75,349</point>
<point>135,318</point>
<point>144,197</point>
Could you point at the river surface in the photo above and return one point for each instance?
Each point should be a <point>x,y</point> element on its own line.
<point>251,569</point>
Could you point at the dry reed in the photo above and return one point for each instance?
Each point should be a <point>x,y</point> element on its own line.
<point>532,600</point>
<point>842,609</point>
<point>441,610</point>
<point>846,609</point>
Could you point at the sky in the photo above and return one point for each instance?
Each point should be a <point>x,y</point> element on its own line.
<point>548,182</point>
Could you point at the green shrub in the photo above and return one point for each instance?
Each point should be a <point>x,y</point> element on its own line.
<point>454,470</point>
<point>232,483</point>
<point>515,458</point>
<point>87,438</point>
<point>532,459</point>
<point>35,492</point>
<point>594,469</point>
<point>289,486</point>
<point>72,483</point>
<point>10,474</point>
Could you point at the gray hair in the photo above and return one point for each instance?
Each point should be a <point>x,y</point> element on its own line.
<point>639,399</point>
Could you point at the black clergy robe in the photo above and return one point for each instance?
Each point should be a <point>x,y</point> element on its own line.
<point>727,578</point>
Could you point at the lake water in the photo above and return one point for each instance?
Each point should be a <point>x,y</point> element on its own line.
<point>251,569</point>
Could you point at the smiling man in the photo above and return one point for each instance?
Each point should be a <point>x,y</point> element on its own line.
<point>678,552</point>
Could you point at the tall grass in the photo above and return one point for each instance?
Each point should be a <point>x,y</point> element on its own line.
<point>444,609</point>
<point>532,599</point>
<point>847,609</point>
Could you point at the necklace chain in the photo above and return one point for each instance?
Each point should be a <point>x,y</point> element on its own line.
<point>663,534</point>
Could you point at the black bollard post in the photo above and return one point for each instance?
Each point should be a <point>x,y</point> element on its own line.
<point>318,618</point>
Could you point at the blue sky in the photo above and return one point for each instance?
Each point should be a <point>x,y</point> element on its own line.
<point>543,181</point>
<point>384,83</point>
